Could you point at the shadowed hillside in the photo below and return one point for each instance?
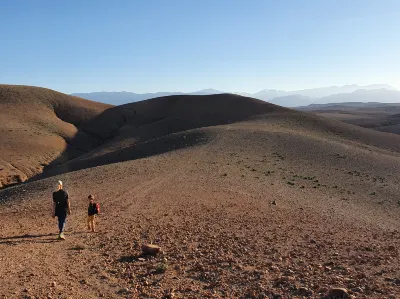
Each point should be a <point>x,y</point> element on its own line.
<point>138,129</point>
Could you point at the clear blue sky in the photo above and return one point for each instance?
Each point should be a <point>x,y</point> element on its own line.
<point>187,45</point>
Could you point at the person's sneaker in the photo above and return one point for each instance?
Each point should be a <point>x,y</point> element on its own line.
<point>61,236</point>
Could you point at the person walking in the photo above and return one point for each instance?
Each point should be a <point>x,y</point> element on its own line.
<point>93,209</point>
<point>61,208</point>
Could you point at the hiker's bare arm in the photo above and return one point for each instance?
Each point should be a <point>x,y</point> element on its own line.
<point>53,213</point>
<point>69,208</point>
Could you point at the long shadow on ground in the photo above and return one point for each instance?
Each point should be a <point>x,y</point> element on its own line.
<point>32,238</point>
<point>27,238</point>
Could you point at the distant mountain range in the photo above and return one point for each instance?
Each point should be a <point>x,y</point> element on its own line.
<point>333,94</point>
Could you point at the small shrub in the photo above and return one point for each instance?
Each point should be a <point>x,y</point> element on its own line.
<point>162,267</point>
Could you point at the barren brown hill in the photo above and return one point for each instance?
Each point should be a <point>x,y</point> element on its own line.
<point>144,128</point>
<point>148,128</point>
<point>36,126</point>
<point>246,200</point>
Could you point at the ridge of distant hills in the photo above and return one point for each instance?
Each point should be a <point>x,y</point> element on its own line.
<point>68,126</point>
<point>333,94</point>
<point>64,127</point>
<point>384,117</point>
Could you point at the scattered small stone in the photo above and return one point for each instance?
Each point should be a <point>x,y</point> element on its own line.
<point>302,291</point>
<point>124,291</point>
<point>53,284</point>
<point>338,293</point>
<point>169,294</point>
<point>357,290</point>
<point>83,281</point>
<point>274,203</point>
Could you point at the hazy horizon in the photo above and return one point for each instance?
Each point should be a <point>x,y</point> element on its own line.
<point>332,94</point>
<point>241,91</point>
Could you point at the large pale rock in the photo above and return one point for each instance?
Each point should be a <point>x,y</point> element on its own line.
<point>150,249</point>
